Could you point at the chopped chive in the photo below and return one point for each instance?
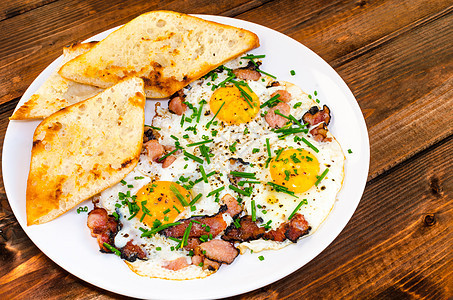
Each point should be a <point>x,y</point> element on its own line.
<point>246,130</point>
<point>200,110</point>
<point>209,123</point>
<point>244,94</point>
<point>237,190</point>
<point>294,158</point>
<point>241,183</point>
<point>205,153</point>
<point>203,174</point>
<point>182,120</point>
<point>251,56</point>
<point>138,177</point>
<point>253,211</point>
<point>160,228</point>
<point>310,145</point>
<point>268,148</point>
<point>153,127</point>
<point>349,151</point>
<point>304,201</point>
<point>186,236</point>
<point>174,239</point>
<point>322,176</point>
<point>282,189</point>
<point>216,191</point>
<point>177,209</point>
<point>255,150</point>
<point>123,182</point>
<point>178,195</point>
<point>167,155</point>
<point>232,147</point>
<point>287,175</point>
<point>237,224</point>
<point>292,72</point>
<point>166,211</point>
<point>174,137</point>
<point>243,174</point>
<point>279,152</point>
<point>195,158</point>
<point>199,143</point>
<point>265,73</point>
<point>271,101</point>
<point>113,249</point>
<point>261,257</point>
<point>158,248</point>
<point>297,104</point>
<point>195,199</point>
<point>186,136</point>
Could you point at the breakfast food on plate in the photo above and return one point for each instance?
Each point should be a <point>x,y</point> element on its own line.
<point>238,161</point>
<point>57,92</point>
<point>83,149</point>
<point>168,50</point>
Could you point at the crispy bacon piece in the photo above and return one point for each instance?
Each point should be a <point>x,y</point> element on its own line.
<point>274,120</point>
<point>176,264</point>
<point>192,243</point>
<point>155,150</point>
<point>210,265</point>
<point>131,252</point>
<point>103,227</point>
<point>285,96</point>
<point>319,133</point>
<point>176,105</point>
<point>272,84</point>
<point>234,209</point>
<point>291,230</point>
<point>277,235</point>
<point>215,222</point>
<point>315,116</point>
<point>248,72</point>
<point>218,250</point>
<point>197,259</point>
<point>297,227</point>
<point>168,161</point>
<point>247,231</point>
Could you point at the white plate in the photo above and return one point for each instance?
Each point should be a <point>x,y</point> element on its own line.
<point>67,240</point>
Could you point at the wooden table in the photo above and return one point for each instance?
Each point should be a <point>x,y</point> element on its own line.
<point>397,58</point>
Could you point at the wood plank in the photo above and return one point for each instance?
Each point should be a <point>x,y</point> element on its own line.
<point>32,40</point>
<point>396,246</point>
<point>12,8</point>
<point>343,25</point>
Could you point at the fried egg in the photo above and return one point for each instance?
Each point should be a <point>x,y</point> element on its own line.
<point>224,130</point>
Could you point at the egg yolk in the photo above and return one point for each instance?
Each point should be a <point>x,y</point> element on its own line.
<point>158,201</point>
<point>296,169</point>
<point>240,107</point>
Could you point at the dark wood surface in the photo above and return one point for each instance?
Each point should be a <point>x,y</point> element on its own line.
<point>396,57</point>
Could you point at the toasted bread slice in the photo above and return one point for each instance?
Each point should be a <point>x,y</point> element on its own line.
<point>57,92</point>
<point>83,149</point>
<point>168,50</point>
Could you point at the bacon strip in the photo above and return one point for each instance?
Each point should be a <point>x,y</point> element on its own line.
<point>219,251</point>
<point>103,227</point>
<point>315,116</point>
<point>285,96</point>
<point>176,264</point>
<point>247,231</point>
<point>319,133</point>
<point>291,230</point>
<point>274,120</point>
<point>215,223</point>
<point>131,252</point>
<point>234,209</point>
<point>248,72</point>
<point>155,150</point>
<point>176,105</point>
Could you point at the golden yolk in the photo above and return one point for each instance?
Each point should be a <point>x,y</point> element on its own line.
<point>295,169</point>
<point>236,109</point>
<point>161,201</point>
